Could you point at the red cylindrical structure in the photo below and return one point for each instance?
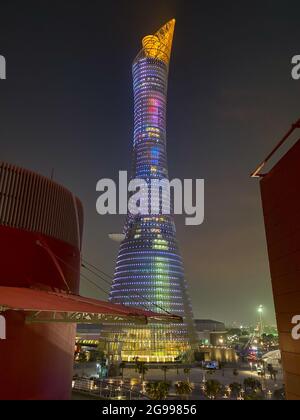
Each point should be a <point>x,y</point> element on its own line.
<point>40,240</point>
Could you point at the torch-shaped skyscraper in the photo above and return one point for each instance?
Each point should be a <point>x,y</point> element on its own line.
<point>149,270</point>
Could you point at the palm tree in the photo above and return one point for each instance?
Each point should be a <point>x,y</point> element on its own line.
<point>158,390</point>
<point>187,373</point>
<point>122,366</point>
<point>213,388</point>
<point>82,357</point>
<point>235,388</point>
<point>254,396</point>
<point>142,369</point>
<point>252,384</point>
<point>136,363</point>
<point>183,389</point>
<point>165,368</point>
<point>222,368</point>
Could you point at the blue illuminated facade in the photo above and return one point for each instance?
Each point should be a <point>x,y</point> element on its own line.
<point>149,269</point>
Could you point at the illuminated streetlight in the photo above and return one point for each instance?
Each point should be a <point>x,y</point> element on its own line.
<point>260,311</point>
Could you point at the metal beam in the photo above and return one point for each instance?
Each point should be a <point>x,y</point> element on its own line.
<point>81,318</point>
<point>257,173</point>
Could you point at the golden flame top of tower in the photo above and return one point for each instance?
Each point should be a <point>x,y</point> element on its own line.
<point>159,45</point>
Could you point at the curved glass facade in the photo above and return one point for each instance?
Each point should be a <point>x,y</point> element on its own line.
<point>149,269</point>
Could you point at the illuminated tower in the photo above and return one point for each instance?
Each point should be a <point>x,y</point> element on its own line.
<point>149,270</point>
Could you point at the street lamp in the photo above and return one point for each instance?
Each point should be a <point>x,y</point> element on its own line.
<point>260,311</point>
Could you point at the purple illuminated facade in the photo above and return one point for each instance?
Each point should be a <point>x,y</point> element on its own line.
<point>149,269</point>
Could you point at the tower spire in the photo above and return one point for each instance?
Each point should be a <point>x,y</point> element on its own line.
<point>159,45</point>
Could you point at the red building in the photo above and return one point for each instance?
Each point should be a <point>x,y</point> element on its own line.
<point>40,239</point>
<point>281,207</point>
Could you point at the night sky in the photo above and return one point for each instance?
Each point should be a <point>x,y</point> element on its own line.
<point>67,104</point>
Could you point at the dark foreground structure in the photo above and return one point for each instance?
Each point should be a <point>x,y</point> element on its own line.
<point>281,207</point>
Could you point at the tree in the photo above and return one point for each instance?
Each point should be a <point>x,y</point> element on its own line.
<point>97,356</point>
<point>136,361</point>
<point>252,384</point>
<point>165,368</point>
<point>235,389</point>
<point>122,366</point>
<point>187,372</point>
<point>254,396</point>
<point>213,388</point>
<point>142,369</point>
<point>82,357</point>
<point>222,368</point>
<point>158,390</point>
<point>183,389</point>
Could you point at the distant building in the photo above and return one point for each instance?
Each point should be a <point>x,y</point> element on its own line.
<point>272,358</point>
<point>210,332</point>
<point>88,334</point>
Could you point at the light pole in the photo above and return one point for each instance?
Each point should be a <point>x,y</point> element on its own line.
<point>260,311</point>
<point>203,375</point>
